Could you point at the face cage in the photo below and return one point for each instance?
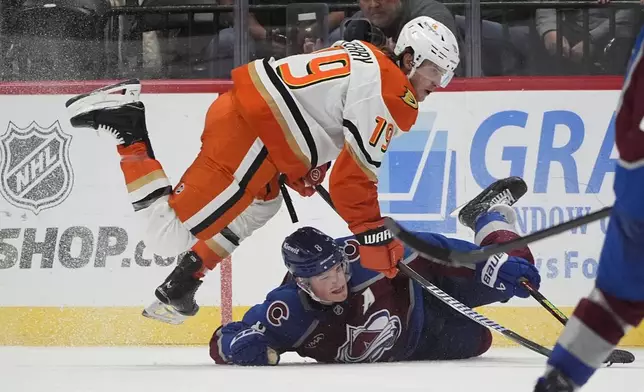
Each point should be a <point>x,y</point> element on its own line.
<point>305,283</point>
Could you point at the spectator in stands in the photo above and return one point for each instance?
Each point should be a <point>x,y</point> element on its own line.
<point>503,53</point>
<point>391,15</point>
<point>8,10</point>
<point>267,34</point>
<point>572,34</point>
<point>57,42</point>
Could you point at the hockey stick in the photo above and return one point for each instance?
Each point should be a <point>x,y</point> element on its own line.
<point>452,302</point>
<point>470,313</point>
<point>543,301</point>
<point>324,194</point>
<point>458,258</point>
<point>617,356</point>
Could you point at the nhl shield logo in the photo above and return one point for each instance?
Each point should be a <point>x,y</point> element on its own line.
<point>35,169</point>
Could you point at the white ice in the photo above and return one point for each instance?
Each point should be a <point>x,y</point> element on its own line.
<point>189,369</point>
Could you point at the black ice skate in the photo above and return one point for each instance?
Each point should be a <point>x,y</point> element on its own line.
<point>176,295</point>
<point>115,109</point>
<point>505,191</point>
<point>555,381</point>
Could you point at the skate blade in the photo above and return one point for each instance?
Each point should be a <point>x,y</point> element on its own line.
<point>164,313</point>
<point>105,98</point>
<point>458,209</point>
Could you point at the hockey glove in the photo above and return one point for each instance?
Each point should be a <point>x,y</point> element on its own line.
<point>379,250</point>
<point>305,186</point>
<point>250,348</point>
<point>503,273</point>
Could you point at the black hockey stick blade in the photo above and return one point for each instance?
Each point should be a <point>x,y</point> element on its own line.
<point>616,356</point>
<point>620,356</point>
<point>458,258</point>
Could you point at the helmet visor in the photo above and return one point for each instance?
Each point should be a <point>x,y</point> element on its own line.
<point>435,73</point>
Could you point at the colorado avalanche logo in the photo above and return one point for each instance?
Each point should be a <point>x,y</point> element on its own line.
<point>35,170</point>
<point>368,342</point>
<point>351,249</point>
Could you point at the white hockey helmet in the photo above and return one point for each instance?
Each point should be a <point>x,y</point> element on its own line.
<point>430,40</point>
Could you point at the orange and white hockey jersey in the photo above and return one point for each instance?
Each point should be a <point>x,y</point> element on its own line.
<point>341,104</point>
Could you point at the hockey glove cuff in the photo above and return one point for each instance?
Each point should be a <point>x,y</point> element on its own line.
<point>503,273</point>
<point>379,250</point>
<point>250,348</point>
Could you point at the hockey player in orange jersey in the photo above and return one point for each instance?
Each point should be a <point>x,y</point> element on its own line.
<point>291,116</point>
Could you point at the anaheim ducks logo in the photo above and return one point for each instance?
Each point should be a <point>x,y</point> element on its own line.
<point>410,99</point>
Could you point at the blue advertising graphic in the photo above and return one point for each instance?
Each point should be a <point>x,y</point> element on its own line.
<point>418,184</point>
<point>417,181</point>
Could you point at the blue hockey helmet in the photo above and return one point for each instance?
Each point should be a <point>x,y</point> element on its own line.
<point>308,252</point>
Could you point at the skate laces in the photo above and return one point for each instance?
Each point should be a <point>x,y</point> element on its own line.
<point>112,131</point>
<point>504,197</point>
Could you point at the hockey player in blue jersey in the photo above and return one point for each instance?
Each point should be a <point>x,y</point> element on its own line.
<point>331,309</point>
<point>616,303</point>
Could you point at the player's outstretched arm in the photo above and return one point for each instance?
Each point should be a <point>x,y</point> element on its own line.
<point>266,330</point>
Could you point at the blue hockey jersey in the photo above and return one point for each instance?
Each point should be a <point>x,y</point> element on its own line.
<point>381,320</point>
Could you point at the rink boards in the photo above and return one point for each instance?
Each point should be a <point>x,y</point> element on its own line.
<point>75,271</point>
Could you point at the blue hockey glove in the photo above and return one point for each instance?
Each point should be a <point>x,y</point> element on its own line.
<point>250,348</point>
<point>503,273</point>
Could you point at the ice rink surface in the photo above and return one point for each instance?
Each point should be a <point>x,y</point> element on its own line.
<point>190,369</point>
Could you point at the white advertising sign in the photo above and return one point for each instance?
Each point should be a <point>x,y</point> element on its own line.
<point>69,237</point>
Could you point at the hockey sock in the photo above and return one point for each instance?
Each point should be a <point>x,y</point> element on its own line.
<point>498,226</point>
<point>597,325</point>
<point>615,305</point>
<point>145,179</point>
<point>211,253</point>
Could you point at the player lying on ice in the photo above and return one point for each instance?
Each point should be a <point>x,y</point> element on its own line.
<point>331,309</point>
<point>282,117</point>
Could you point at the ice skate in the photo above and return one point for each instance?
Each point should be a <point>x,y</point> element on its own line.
<point>176,295</point>
<point>115,109</point>
<point>555,381</point>
<point>505,192</point>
